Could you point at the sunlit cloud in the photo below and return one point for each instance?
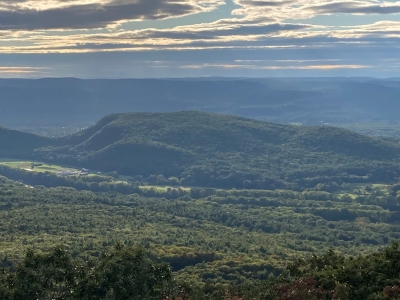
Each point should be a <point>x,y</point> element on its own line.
<point>293,31</point>
<point>303,9</point>
<point>276,67</point>
<point>267,35</point>
<point>22,71</point>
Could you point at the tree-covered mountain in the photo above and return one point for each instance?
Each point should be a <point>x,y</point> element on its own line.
<point>17,144</point>
<point>71,102</point>
<point>206,149</point>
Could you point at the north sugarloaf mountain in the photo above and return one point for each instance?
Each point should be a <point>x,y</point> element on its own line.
<point>212,150</point>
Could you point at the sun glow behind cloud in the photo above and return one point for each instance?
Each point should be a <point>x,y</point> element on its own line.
<point>6,72</point>
<point>56,29</point>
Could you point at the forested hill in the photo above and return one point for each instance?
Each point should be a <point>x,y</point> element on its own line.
<point>205,149</point>
<point>20,144</point>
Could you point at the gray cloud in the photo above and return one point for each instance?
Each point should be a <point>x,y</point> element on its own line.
<point>92,15</point>
<point>264,3</point>
<point>354,7</point>
<point>217,32</point>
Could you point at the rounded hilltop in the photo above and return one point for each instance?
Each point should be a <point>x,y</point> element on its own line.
<point>211,149</point>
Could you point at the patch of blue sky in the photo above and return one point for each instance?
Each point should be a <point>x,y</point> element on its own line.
<point>337,20</point>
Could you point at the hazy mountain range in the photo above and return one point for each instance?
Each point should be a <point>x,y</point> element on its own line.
<point>69,101</point>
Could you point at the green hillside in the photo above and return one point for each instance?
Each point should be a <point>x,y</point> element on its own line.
<point>204,149</point>
<point>17,144</point>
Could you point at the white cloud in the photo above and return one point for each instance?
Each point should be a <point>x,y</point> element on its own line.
<point>275,67</point>
<point>91,26</point>
<point>208,36</point>
<point>303,9</point>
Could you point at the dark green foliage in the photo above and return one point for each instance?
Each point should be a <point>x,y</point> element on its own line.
<point>300,289</point>
<point>126,273</point>
<point>211,150</point>
<point>220,237</point>
<point>123,273</point>
<point>15,144</point>
<point>46,276</point>
<point>363,277</point>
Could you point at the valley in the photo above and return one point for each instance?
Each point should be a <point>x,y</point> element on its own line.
<point>62,103</point>
<point>220,210</point>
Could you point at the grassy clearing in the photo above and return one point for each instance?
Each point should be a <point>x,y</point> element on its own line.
<point>39,167</point>
<point>42,168</point>
<point>352,190</point>
<point>162,188</point>
<point>385,188</point>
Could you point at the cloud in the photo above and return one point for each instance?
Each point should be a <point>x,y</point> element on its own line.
<point>356,8</point>
<point>264,3</point>
<point>227,31</point>
<point>304,9</point>
<point>220,34</point>
<point>17,71</point>
<point>283,29</point>
<point>92,14</point>
<point>259,65</point>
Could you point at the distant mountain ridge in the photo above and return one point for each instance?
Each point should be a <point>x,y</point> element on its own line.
<point>207,149</point>
<point>70,101</point>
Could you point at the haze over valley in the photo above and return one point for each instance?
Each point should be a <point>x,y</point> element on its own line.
<point>69,102</point>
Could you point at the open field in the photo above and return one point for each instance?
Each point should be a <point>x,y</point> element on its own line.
<point>351,190</point>
<point>37,166</point>
<point>40,167</point>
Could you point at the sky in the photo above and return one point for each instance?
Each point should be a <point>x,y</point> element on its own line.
<point>199,38</point>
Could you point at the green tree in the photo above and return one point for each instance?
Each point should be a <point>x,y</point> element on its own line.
<point>126,273</point>
<point>46,276</point>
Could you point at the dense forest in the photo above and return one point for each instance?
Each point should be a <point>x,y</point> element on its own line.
<point>61,243</point>
<point>128,273</point>
<point>213,240</point>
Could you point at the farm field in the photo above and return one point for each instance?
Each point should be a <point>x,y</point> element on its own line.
<point>37,166</point>
<point>351,190</point>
